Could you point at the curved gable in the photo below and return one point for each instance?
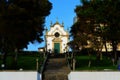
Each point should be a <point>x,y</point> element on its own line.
<point>57,28</point>
<point>57,36</point>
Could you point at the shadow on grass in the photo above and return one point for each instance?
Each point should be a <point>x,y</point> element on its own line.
<point>82,63</point>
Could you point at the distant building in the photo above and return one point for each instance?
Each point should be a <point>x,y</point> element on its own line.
<point>75,19</point>
<point>109,47</point>
<point>56,38</point>
<point>41,49</point>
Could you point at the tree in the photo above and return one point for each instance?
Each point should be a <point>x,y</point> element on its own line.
<point>111,21</point>
<point>21,22</point>
<point>97,12</point>
<point>82,30</point>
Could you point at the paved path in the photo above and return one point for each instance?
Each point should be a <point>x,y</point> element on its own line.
<point>56,69</point>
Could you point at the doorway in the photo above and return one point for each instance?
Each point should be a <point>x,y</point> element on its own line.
<point>56,48</point>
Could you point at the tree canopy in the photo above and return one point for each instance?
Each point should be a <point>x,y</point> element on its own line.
<point>100,19</point>
<point>22,21</point>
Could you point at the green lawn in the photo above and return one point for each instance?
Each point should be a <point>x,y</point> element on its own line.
<point>24,61</point>
<point>82,63</point>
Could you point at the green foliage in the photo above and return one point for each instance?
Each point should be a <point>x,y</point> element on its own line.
<point>22,21</point>
<point>82,63</point>
<point>97,19</point>
<point>24,61</point>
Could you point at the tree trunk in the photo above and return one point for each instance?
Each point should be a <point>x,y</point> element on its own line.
<point>72,59</point>
<point>101,56</point>
<point>15,58</point>
<point>4,52</point>
<point>16,54</point>
<point>114,53</point>
<point>100,51</point>
<point>89,63</point>
<point>98,55</point>
<point>106,48</point>
<point>108,54</point>
<point>4,57</point>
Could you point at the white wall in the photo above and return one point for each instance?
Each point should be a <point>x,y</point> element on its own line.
<point>50,37</point>
<point>94,76</point>
<point>64,44</point>
<point>28,75</point>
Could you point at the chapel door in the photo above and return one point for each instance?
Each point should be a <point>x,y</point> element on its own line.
<point>56,48</point>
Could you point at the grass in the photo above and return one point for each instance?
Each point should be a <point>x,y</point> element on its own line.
<point>82,63</point>
<point>24,61</point>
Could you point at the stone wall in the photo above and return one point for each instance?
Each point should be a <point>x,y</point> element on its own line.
<point>107,75</point>
<point>20,75</point>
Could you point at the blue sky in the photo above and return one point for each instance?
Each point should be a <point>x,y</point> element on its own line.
<point>63,11</point>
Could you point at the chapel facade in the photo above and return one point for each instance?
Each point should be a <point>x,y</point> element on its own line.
<point>57,38</point>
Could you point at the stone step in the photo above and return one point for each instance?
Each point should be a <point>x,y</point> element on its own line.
<point>56,69</point>
<point>52,72</point>
<point>55,77</point>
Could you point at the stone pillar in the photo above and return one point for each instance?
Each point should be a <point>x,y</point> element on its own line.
<point>74,64</point>
<point>37,64</point>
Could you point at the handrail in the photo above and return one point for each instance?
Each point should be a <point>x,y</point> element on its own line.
<point>43,66</point>
<point>68,61</point>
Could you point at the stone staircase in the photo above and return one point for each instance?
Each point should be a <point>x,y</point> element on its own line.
<point>56,69</point>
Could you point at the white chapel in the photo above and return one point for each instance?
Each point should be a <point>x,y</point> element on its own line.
<point>57,38</point>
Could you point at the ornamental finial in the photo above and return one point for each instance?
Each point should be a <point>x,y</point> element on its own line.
<point>57,20</point>
<point>51,23</point>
